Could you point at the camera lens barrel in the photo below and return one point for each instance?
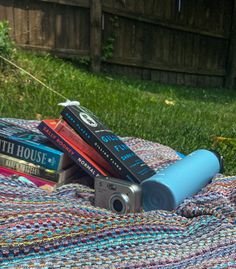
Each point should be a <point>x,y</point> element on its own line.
<point>119,203</point>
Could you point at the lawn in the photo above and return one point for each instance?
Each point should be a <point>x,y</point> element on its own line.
<point>183,118</point>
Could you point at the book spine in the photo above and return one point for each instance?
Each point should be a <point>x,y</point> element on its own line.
<point>30,153</point>
<point>66,147</point>
<point>36,180</point>
<point>74,138</point>
<point>92,140</point>
<point>29,168</point>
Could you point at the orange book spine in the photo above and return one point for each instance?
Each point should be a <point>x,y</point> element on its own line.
<point>64,129</point>
<point>48,128</point>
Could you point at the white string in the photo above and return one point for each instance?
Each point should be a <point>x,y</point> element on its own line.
<point>67,103</point>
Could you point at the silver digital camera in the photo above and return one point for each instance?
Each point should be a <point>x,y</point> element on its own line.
<point>117,195</point>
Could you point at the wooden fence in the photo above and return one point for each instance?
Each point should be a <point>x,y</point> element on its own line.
<point>189,42</point>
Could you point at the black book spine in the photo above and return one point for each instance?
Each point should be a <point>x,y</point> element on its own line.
<point>65,147</point>
<point>122,167</point>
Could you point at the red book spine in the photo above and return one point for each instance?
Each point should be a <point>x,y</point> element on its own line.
<point>64,129</point>
<point>36,180</point>
<point>48,128</point>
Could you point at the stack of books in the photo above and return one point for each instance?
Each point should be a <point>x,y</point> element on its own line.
<point>30,154</point>
<point>77,145</point>
<point>93,146</point>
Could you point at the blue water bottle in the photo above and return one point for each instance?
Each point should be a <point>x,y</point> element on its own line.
<point>170,186</point>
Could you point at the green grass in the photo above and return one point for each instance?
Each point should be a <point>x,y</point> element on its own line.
<point>129,107</point>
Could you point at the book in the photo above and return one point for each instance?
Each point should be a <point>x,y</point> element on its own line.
<point>26,124</point>
<point>123,160</point>
<point>37,181</point>
<point>37,170</point>
<point>48,127</point>
<point>63,128</point>
<point>30,146</point>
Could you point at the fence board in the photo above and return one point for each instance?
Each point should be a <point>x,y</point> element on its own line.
<point>148,8</point>
<point>146,74</point>
<point>145,39</point>
<point>139,7</point>
<point>95,34</point>
<point>164,23</point>
<point>172,78</point>
<point>130,62</point>
<point>80,3</point>
<point>36,18</point>
<point>231,57</point>
<point>21,26</point>
<point>9,15</point>
<point>49,26</point>
<point>83,31</point>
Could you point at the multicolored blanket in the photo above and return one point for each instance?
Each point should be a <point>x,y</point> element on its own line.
<point>64,230</point>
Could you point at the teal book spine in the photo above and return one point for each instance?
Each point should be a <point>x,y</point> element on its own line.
<point>30,146</point>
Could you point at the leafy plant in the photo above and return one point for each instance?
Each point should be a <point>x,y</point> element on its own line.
<point>85,60</point>
<point>6,44</point>
<point>108,46</point>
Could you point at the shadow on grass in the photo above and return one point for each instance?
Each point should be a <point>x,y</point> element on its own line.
<point>216,95</point>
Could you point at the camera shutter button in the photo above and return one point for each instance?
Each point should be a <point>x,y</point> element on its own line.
<point>111,186</point>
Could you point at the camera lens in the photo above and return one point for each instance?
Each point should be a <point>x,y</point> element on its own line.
<point>119,203</point>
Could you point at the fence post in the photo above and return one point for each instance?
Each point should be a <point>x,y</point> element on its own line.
<point>95,34</point>
<point>231,57</point>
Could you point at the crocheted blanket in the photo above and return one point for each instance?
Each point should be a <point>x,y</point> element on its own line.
<point>64,230</point>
